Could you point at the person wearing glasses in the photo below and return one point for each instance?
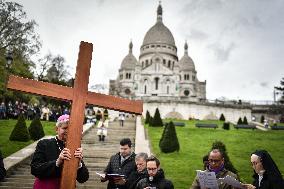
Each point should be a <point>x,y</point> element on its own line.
<point>216,164</point>
<point>266,173</point>
<point>156,177</point>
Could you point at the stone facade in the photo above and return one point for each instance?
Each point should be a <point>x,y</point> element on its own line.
<point>164,81</point>
<point>159,73</point>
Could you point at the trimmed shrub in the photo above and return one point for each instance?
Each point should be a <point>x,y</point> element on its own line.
<point>226,126</point>
<point>262,119</point>
<point>157,121</point>
<point>150,120</point>
<point>169,141</point>
<point>147,120</point>
<point>35,129</point>
<point>240,121</point>
<point>245,122</point>
<point>20,131</point>
<point>222,118</point>
<point>106,113</point>
<point>228,164</point>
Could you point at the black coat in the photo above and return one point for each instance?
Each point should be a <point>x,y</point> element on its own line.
<point>135,177</point>
<point>268,182</point>
<point>159,182</point>
<point>43,164</point>
<point>115,166</point>
<point>2,168</point>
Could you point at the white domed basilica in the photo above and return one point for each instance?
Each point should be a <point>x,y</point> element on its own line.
<point>159,75</point>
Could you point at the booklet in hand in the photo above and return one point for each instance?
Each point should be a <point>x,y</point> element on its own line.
<point>114,175</point>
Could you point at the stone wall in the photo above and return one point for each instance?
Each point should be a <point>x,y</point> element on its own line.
<point>199,111</point>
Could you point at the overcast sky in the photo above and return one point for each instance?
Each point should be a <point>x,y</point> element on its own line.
<point>237,45</point>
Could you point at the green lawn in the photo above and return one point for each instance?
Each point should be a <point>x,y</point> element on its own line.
<point>6,126</point>
<point>195,143</point>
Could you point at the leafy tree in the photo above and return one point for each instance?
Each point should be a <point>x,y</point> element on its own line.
<point>228,164</point>
<point>20,131</point>
<point>240,121</point>
<point>222,117</point>
<point>169,141</point>
<point>17,33</point>
<point>281,90</point>
<point>147,117</point>
<point>157,121</point>
<point>35,129</point>
<point>245,122</point>
<point>17,36</point>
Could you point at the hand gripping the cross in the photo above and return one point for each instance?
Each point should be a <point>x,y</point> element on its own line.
<point>66,155</point>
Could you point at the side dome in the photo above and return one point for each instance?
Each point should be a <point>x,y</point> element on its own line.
<point>186,63</point>
<point>129,60</point>
<point>159,33</point>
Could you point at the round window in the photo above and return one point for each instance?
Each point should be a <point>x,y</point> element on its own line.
<point>186,92</point>
<point>127,91</point>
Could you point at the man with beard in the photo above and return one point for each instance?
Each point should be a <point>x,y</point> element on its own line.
<point>156,178</point>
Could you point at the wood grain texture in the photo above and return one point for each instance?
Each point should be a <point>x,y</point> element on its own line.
<point>40,88</point>
<point>79,96</point>
<point>75,128</point>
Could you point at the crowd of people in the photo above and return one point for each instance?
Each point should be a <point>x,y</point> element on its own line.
<point>30,111</point>
<point>127,170</point>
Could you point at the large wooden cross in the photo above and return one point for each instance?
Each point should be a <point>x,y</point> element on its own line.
<point>80,96</point>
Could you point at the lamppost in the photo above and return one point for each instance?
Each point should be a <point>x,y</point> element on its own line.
<point>9,59</point>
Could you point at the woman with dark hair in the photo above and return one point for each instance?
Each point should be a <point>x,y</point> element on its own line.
<point>266,173</point>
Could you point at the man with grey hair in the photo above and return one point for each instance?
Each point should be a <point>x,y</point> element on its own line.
<point>140,172</point>
<point>50,154</point>
<point>216,164</point>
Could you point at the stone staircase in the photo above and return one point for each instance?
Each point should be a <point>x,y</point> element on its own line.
<point>96,157</point>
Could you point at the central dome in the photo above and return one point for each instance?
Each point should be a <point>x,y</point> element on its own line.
<point>159,33</point>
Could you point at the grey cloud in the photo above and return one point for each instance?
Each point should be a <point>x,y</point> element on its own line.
<point>196,34</point>
<point>264,84</point>
<point>221,52</point>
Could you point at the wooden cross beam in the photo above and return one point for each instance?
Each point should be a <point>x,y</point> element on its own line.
<point>80,96</point>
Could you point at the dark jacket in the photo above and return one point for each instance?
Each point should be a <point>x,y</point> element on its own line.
<point>43,164</point>
<point>268,182</point>
<point>158,181</point>
<point>2,168</point>
<point>115,166</point>
<point>135,177</point>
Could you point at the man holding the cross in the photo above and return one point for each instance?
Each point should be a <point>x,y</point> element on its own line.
<point>49,156</point>
<point>79,96</point>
